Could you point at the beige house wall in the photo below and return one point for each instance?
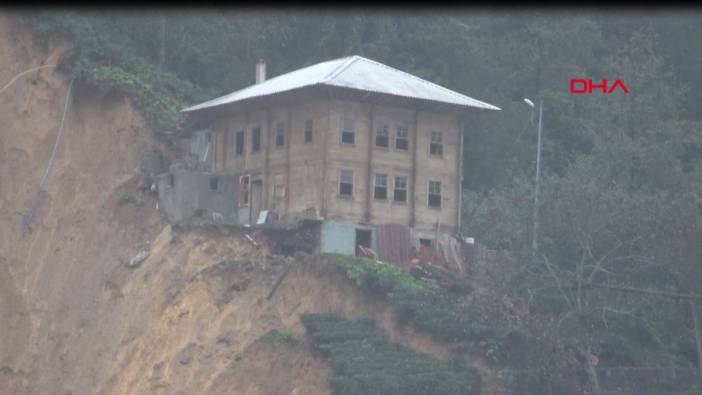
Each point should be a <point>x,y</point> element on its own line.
<point>304,177</point>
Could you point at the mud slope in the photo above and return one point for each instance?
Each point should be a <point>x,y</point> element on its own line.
<point>55,296</point>
<point>206,296</point>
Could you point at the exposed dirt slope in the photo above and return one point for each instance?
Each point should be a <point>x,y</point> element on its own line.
<point>53,281</point>
<point>207,296</point>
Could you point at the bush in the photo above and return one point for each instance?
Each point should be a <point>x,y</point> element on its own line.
<point>105,58</point>
<point>427,306</point>
<point>364,362</point>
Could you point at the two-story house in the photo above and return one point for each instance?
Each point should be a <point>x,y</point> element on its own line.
<point>350,140</point>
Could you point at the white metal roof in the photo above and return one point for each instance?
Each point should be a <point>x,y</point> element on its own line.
<point>354,72</point>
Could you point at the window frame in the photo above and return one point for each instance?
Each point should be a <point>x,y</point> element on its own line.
<point>395,189</point>
<point>341,181</point>
<point>439,145</point>
<point>430,194</point>
<point>406,138</point>
<point>376,186</point>
<point>386,131</point>
<point>345,132</point>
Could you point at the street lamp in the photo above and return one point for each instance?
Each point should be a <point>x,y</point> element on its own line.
<point>534,242</point>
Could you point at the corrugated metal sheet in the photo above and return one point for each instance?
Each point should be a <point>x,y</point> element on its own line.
<point>394,243</point>
<point>354,72</point>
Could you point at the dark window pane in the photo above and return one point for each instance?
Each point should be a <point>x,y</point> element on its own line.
<point>434,200</point>
<point>381,141</point>
<point>347,138</point>
<point>308,131</point>
<point>214,183</point>
<point>400,195</point>
<point>256,140</point>
<point>436,149</point>
<point>381,137</point>
<point>381,193</point>
<point>402,144</point>
<point>402,138</point>
<point>434,194</point>
<point>239,142</point>
<point>437,144</point>
<point>345,189</point>
<point>346,183</point>
<point>347,133</point>
<point>280,135</point>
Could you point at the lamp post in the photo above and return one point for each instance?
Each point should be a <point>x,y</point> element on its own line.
<point>534,240</point>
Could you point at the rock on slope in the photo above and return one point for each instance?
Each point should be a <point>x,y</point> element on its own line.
<point>76,320</point>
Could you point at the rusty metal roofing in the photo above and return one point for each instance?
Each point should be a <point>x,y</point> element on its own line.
<point>353,72</point>
<point>394,243</point>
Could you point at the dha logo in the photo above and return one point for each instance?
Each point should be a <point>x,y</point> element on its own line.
<point>579,87</point>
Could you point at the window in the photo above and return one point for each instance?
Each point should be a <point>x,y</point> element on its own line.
<point>256,140</point>
<point>381,136</point>
<point>214,183</point>
<point>435,194</point>
<point>308,131</point>
<point>243,191</point>
<point>426,243</point>
<point>402,139</point>
<point>346,183</point>
<point>240,143</point>
<point>280,135</point>
<point>400,193</point>
<point>437,144</point>
<point>171,180</point>
<point>381,187</point>
<point>348,135</point>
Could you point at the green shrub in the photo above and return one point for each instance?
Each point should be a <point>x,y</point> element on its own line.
<point>275,336</point>
<point>105,58</point>
<point>426,305</point>
<point>364,362</point>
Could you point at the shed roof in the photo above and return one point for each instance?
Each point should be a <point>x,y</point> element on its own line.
<point>355,73</point>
